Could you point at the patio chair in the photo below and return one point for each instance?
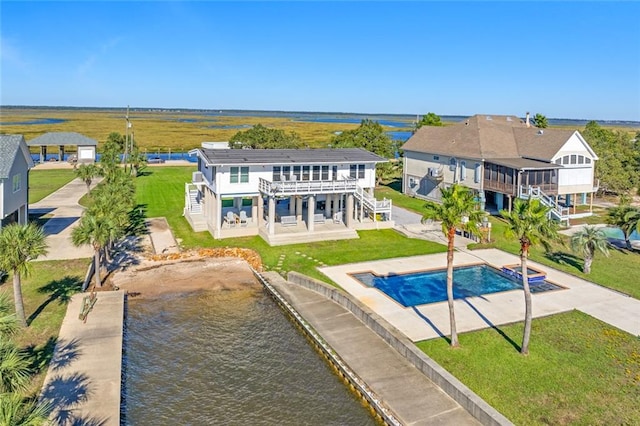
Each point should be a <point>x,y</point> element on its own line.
<point>244,220</point>
<point>230,218</point>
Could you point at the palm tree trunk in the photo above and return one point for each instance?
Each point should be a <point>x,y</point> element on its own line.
<point>588,260</point>
<point>96,267</point>
<point>528,314</point>
<point>17,299</point>
<point>452,315</point>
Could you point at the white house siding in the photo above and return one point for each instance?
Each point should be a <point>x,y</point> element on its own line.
<point>417,165</point>
<point>16,201</point>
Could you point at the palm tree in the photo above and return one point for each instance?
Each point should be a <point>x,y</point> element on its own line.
<point>457,211</point>
<point>529,222</point>
<point>631,223</point>
<point>19,244</point>
<point>16,410</point>
<point>95,230</point>
<point>14,366</point>
<point>86,172</point>
<point>588,241</point>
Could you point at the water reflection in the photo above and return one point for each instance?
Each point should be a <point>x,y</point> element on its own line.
<point>228,357</point>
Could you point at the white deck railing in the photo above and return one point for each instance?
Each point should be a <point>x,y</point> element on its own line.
<point>297,187</point>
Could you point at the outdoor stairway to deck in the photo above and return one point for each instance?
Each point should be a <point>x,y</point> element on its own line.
<point>557,211</point>
<point>196,207</point>
<point>372,204</point>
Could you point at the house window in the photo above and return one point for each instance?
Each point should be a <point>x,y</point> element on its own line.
<point>587,160</point>
<point>452,164</point>
<point>277,173</point>
<point>17,182</point>
<point>296,173</point>
<point>305,172</point>
<point>360,171</point>
<point>353,171</point>
<point>239,175</point>
<point>286,172</point>
<point>325,172</point>
<point>565,159</point>
<point>573,159</point>
<point>463,170</point>
<point>580,159</point>
<point>476,173</point>
<point>334,172</point>
<point>316,173</point>
<point>436,157</point>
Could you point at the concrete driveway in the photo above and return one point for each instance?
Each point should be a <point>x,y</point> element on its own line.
<point>64,211</point>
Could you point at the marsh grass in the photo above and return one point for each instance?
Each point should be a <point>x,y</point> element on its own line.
<point>164,131</point>
<point>579,371</point>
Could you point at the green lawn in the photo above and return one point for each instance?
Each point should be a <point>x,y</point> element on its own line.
<point>44,182</point>
<point>579,371</point>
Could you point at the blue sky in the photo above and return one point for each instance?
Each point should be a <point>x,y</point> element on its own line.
<point>573,59</point>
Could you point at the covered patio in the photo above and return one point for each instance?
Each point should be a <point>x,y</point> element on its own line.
<point>85,147</point>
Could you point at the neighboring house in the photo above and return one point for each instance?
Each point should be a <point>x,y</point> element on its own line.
<point>15,162</point>
<point>500,158</point>
<point>285,195</point>
<point>86,147</point>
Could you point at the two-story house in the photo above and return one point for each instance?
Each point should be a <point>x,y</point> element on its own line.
<point>15,162</point>
<point>285,195</point>
<point>502,157</point>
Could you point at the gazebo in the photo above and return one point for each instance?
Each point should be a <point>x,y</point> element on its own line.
<point>86,146</point>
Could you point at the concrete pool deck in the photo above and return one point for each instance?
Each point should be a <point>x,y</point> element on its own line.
<point>432,320</point>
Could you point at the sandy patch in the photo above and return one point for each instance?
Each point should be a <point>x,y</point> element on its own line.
<point>155,278</point>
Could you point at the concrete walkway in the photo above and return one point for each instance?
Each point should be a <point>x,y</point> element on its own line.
<point>83,382</point>
<point>432,320</point>
<point>63,206</point>
<point>407,392</point>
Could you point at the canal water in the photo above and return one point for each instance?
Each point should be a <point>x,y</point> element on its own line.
<point>227,357</point>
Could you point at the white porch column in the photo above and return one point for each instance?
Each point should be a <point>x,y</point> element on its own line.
<point>348,217</point>
<point>298,208</point>
<point>272,215</point>
<point>311,208</point>
<point>254,208</point>
<point>259,217</point>
<point>292,205</point>
<point>217,215</point>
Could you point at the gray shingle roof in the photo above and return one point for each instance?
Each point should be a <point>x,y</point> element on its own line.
<point>218,157</point>
<point>62,138</point>
<point>489,137</point>
<point>9,149</point>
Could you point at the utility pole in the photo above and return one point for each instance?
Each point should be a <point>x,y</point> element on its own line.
<point>126,140</point>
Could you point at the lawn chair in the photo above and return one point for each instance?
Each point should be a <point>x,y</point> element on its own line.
<point>230,218</point>
<point>244,220</point>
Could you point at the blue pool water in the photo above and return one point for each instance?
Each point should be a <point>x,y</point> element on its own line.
<point>617,233</point>
<point>429,287</point>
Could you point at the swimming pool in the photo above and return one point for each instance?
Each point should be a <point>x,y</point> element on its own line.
<point>616,233</point>
<point>424,287</point>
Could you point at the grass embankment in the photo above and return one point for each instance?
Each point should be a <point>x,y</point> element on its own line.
<point>46,293</point>
<point>579,371</point>
<point>164,131</point>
